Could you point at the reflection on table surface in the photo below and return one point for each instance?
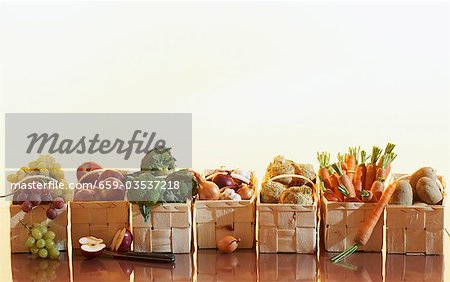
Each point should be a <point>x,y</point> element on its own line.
<point>244,265</point>
<point>358,267</point>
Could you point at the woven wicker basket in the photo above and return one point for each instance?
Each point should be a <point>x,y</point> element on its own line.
<point>415,229</point>
<point>99,219</point>
<point>215,219</point>
<point>341,221</point>
<point>19,233</point>
<point>169,228</point>
<point>287,228</point>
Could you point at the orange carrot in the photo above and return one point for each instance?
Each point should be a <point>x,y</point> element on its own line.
<point>342,164</point>
<point>344,180</point>
<point>330,196</point>
<point>382,171</point>
<point>351,161</point>
<point>324,162</point>
<point>360,175</point>
<point>371,171</point>
<point>366,229</point>
<point>377,189</point>
<point>388,167</point>
<point>367,197</point>
<point>335,186</point>
<point>389,148</point>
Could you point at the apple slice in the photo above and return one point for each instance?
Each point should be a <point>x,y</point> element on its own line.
<point>89,240</point>
<point>91,251</point>
<point>114,240</point>
<point>119,239</point>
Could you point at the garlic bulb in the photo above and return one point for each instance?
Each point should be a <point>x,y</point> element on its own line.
<point>229,194</point>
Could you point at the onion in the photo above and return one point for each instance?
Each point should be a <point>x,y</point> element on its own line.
<point>207,190</point>
<point>245,192</point>
<point>228,244</point>
<point>223,180</point>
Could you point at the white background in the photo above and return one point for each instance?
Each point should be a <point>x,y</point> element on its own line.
<point>261,79</point>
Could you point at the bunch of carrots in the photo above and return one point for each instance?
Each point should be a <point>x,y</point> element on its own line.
<point>356,177</point>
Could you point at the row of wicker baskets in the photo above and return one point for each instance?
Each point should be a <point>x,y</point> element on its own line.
<point>281,228</point>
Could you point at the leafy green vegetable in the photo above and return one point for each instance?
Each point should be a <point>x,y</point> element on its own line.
<point>159,160</point>
<point>183,186</point>
<point>143,193</point>
<point>158,182</point>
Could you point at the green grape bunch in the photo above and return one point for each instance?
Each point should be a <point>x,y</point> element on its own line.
<point>41,241</point>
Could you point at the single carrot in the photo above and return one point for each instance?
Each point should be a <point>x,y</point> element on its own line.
<point>371,171</point>
<point>360,174</point>
<point>324,163</point>
<point>335,186</point>
<point>351,160</point>
<point>389,148</point>
<point>388,167</point>
<point>341,160</point>
<point>344,180</point>
<point>330,196</point>
<point>367,196</point>
<point>382,170</point>
<point>366,228</point>
<point>377,189</point>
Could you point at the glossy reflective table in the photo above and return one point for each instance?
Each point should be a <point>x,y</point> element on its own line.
<point>210,265</point>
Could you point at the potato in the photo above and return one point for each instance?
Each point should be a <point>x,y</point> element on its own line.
<point>424,171</point>
<point>428,191</point>
<point>403,194</point>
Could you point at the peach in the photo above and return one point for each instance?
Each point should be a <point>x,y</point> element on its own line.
<point>85,168</point>
<point>111,173</point>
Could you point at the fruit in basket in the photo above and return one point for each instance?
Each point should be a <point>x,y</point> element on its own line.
<point>403,194</point>
<point>41,241</point>
<point>41,182</point>
<point>85,195</point>
<point>122,240</point>
<point>271,191</point>
<point>85,168</point>
<point>228,244</point>
<point>90,178</point>
<point>223,180</point>
<point>111,189</point>
<point>297,195</point>
<point>110,173</point>
<point>428,190</point>
<point>91,246</point>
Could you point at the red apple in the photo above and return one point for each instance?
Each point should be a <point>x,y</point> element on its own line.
<point>122,240</point>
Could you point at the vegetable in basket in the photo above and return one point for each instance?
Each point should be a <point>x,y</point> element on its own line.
<point>158,182</point>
